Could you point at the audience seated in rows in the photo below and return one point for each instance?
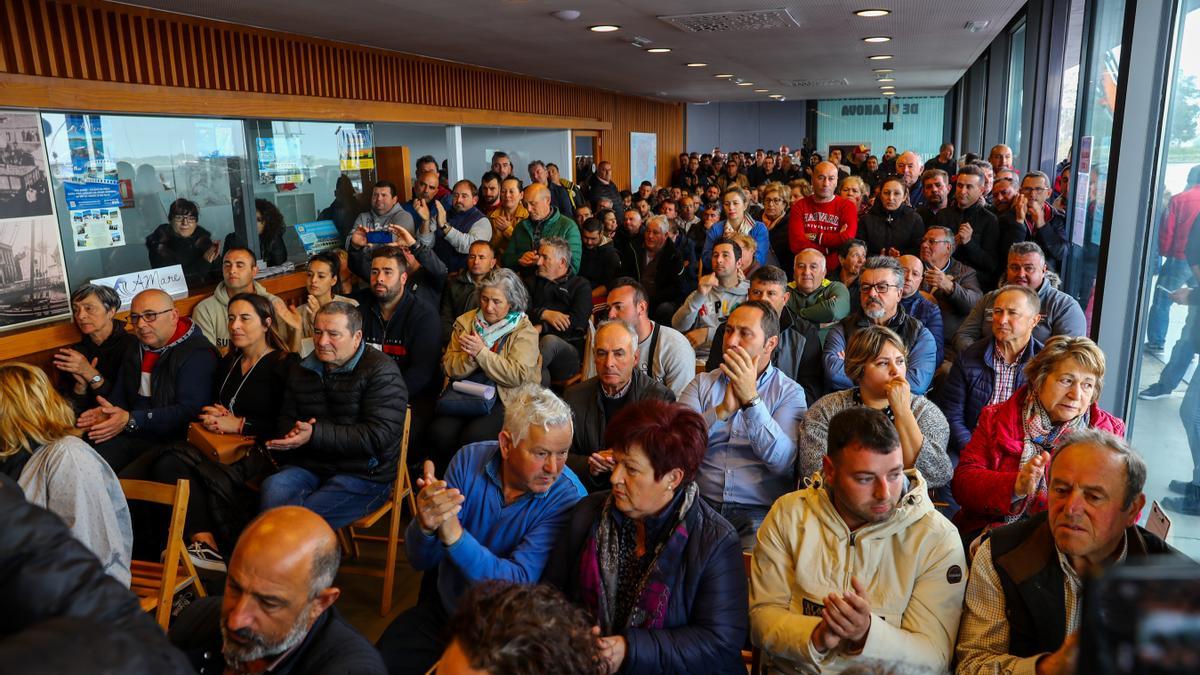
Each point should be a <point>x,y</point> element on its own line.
<point>875,362</point>
<point>493,345</point>
<point>160,386</point>
<point>462,287</point>
<point>238,266</point>
<point>340,424</point>
<point>751,410</point>
<point>277,614</point>
<point>811,295</point>
<point>247,383</point>
<point>496,514</point>
<point>1001,474</point>
<point>813,608</point>
<point>891,227</point>
<point>716,295</point>
<point>42,453</point>
<point>664,354</point>
<point>881,285</point>
<point>918,305</point>
<point>952,284</point>
<point>89,367</point>
<point>543,222</point>
<point>618,383</point>
<point>798,354</point>
<point>560,306</point>
<point>657,567</point>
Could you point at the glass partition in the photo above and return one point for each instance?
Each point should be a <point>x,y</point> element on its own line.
<point>114,178</point>
<point>1016,88</point>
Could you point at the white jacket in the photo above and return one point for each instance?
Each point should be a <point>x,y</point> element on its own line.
<point>912,566</point>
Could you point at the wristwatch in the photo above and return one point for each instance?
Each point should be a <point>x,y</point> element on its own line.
<point>96,379</point>
<point>751,403</point>
<point>131,425</point>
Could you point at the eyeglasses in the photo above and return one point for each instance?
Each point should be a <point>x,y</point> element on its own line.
<point>190,220</point>
<point>1027,190</point>
<point>878,288</point>
<point>931,242</point>
<point>150,317</point>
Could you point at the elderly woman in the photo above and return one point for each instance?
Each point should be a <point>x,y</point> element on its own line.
<point>800,188</point>
<point>181,241</point>
<point>40,448</point>
<point>891,226</point>
<point>494,345</point>
<point>659,570</point>
<point>89,367</point>
<point>737,221</point>
<point>854,189</point>
<point>1001,473</point>
<point>876,361</point>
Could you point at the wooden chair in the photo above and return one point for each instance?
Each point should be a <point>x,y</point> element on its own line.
<point>402,489</point>
<point>753,656</point>
<point>157,583</point>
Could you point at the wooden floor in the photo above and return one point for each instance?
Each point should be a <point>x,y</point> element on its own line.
<point>359,601</point>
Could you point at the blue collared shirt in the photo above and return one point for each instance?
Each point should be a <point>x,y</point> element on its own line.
<point>751,456</point>
<point>509,542</point>
<point>316,365</point>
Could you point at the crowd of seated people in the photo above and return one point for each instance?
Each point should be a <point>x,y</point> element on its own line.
<point>674,406</point>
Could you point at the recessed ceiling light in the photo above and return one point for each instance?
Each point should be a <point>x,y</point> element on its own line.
<point>724,75</point>
<point>880,57</point>
<point>886,79</point>
<point>888,86</point>
<point>776,95</point>
<point>604,28</point>
<point>889,93</point>
<point>882,70</point>
<point>872,13</point>
<point>658,50</point>
<point>745,84</point>
<point>877,38</point>
<point>761,91</point>
<point>695,65</point>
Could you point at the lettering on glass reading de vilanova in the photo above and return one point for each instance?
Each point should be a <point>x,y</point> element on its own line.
<point>871,109</point>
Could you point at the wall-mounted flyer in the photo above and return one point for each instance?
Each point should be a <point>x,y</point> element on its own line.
<point>94,209</point>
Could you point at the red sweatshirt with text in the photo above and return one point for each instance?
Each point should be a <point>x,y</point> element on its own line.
<point>825,227</point>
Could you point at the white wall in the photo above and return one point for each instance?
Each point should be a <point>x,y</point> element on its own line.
<point>421,139</point>
<point>522,146</point>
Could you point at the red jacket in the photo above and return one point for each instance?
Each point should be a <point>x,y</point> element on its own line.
<point>834,223</point>
<point>1182,211</point>
<point>988,466</point>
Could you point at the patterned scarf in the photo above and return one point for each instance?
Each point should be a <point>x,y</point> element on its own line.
<point>1040,434</point>
<point>621,589</point>
<point>493,333</point>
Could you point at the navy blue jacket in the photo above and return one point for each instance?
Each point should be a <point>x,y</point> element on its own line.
<point>707,619</point>
<point>930,314</point>
<point>968,387</point>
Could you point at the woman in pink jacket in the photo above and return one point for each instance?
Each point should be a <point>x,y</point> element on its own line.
<point>1001,474</point>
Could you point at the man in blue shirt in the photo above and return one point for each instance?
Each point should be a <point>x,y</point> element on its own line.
<point>495,515</point>
<point>751,409</point>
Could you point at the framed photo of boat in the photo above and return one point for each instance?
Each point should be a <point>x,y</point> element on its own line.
<point>33,279</point>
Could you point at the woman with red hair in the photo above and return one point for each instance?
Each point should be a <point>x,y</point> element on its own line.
<point>660,571</point>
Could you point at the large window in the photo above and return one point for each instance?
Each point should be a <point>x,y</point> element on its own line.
<point>1016,88</point>
<point>1167,414</point>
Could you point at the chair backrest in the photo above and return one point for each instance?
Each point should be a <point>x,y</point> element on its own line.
<point>157,493</point>
<point>175,496</point>
<point>404,485</point>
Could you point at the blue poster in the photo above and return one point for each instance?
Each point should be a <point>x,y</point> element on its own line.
<point>318,236</point>
<point>92,194</point>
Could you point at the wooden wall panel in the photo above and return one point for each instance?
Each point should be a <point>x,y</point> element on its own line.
<point>97,41</point>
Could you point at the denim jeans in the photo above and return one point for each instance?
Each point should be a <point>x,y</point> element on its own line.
<point>1172,274</point>
<point>1189,414</point>
<point>1182,353</point>
<point>340,500</point>
<point>745,518</point>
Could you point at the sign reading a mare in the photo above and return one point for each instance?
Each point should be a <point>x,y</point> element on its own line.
<point>872,109</point>
<point>169,279</point>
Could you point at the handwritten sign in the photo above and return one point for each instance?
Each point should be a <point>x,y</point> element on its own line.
<point>169,279</point>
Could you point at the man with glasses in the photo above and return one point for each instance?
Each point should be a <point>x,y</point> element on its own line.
<point>880,285</point>
<point>1031,218</point>
<point>954,285</point>
<point>160,386</point>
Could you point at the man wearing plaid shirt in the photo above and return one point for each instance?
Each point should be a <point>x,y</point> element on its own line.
<point>1022,603</point>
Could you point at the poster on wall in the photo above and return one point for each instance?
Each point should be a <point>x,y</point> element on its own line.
<point>85,142</point>
<point>279,161</point>
<point>355,149</point>
<point>94,210</point>
<point>33,280</point>
<point>643,158</point>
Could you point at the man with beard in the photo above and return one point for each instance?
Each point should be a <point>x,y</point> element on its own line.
<point>751,409</point>
<point>400,324</point>
<point>880,286</point>
<point>1003,193</point>
<point>976,230</point>
<point>495,514</point>
<point>277,614</point>
<point>935,187</point>
<point>501,164</point>
<point>898,596</point>
<point>711,199</point>
<point>489,191</point>
<point>425,204</point>
<point>451,235</point>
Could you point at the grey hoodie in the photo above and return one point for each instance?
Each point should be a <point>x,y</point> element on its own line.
<point>708,311</point>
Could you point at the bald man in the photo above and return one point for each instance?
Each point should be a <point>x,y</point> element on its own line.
<point>426,208</point>
<point>544,221</point>
<point>1001,158</point>
<point>160,386</point>
<point>823,220</point>
<point>277,613</point>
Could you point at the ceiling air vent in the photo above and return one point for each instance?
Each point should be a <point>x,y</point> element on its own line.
<point>721,22</point>
<point>833,82</point>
